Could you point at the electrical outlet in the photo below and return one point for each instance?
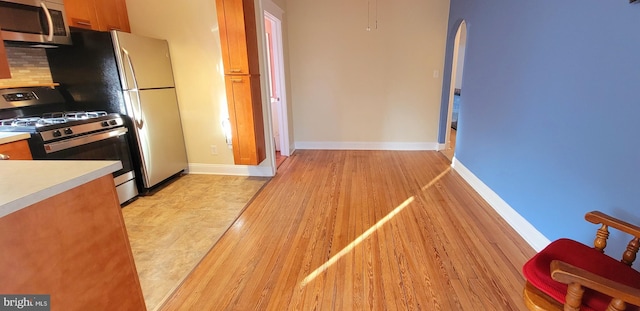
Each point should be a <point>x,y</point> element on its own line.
<point>214,149</point>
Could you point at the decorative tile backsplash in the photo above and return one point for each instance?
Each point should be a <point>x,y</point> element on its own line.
<point>28,66</point>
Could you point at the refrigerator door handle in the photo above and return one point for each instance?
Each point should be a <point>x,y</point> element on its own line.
<point>138,120</point>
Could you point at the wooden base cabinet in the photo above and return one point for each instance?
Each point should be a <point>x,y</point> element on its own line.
<point>17,150</point>
<point>73,247</point>
<point>245,114</point>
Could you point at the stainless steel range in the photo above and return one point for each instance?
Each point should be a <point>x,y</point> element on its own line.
<point>68,135</point>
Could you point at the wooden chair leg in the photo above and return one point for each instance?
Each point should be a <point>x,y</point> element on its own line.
<point>617,305</point>
<point>574,297</point>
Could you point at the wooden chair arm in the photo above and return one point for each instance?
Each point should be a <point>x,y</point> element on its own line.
<point>597,217</point>
<point>567,274</point>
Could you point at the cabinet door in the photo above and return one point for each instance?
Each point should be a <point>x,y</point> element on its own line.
<point>123,15</point>
<point>5,71</point>
<point>112,15</point>
<point>18,150</point>
<point>81,14</point>
<point>245,115</point>
<point>238,36</point>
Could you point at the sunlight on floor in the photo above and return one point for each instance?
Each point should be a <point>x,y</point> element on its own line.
<point>367,233</point>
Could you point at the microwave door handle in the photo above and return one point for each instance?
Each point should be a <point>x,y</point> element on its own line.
<point>127,57</point>
<point>49,21</point>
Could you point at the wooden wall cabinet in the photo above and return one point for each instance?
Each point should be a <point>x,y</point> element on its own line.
<point>239,40</point>
<point>17,150</point>
<point>103,15</point>
<point>5,70</point>
<point>238,35</point>
<point>112,15</point>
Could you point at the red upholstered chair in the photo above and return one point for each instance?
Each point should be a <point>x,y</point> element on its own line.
<point>568,275</point>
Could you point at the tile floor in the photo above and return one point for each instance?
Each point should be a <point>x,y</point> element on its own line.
<point>171,230</point>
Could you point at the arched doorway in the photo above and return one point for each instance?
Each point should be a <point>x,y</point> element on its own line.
<point>455,90</point>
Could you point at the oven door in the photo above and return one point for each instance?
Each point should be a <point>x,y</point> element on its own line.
<point>107,145</point>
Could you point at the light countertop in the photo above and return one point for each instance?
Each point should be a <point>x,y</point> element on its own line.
<point>9,137</point>
<point>23,183</point>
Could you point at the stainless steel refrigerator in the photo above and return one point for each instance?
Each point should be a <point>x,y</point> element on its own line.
<point>132,75</point>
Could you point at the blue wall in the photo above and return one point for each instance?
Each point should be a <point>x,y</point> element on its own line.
<point>550,108</point>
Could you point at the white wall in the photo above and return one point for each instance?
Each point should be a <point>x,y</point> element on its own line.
<point>344,84</point>
<point>351,85</point>
<point>191,28</point>
<point>461,51</point>
<point>280,3</point>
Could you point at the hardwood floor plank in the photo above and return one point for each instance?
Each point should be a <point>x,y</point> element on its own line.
<point>362,230</point>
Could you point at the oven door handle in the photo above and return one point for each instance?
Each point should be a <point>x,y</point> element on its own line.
<point>83,140</point>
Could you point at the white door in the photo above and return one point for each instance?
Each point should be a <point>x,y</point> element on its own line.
<point>273,29</point>
<point>273,90</point>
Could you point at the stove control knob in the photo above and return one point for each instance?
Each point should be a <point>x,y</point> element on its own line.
<point>57,133</point>
<point>113,122</point>
<point>105,123</point>
<point>68,131</point>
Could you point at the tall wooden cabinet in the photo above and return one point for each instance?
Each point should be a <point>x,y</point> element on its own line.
<point>101,15</point>
<point>239,39</point>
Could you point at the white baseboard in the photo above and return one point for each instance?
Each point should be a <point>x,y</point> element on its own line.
<point>526,230</point>
<point>292,149</point>
<point>335,145</point>
<point>234,170</point>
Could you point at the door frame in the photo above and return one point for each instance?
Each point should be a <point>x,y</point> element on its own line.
<point>452,85</point>
<point>274,14</point>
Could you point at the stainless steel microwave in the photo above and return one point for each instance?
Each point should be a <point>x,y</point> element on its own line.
<point>34,21</point>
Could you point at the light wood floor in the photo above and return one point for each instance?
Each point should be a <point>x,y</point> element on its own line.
<point>279,159</point>
<point>450,151</point>
<point>362,230</point>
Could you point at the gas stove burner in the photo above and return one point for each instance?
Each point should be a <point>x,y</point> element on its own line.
<point>22,121</point>
<point>81,115</point>
<point>74,115</point>
<point>6,122</point>
<point>50,115</point>
<point>51,118</point>
<point>48,121</point>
